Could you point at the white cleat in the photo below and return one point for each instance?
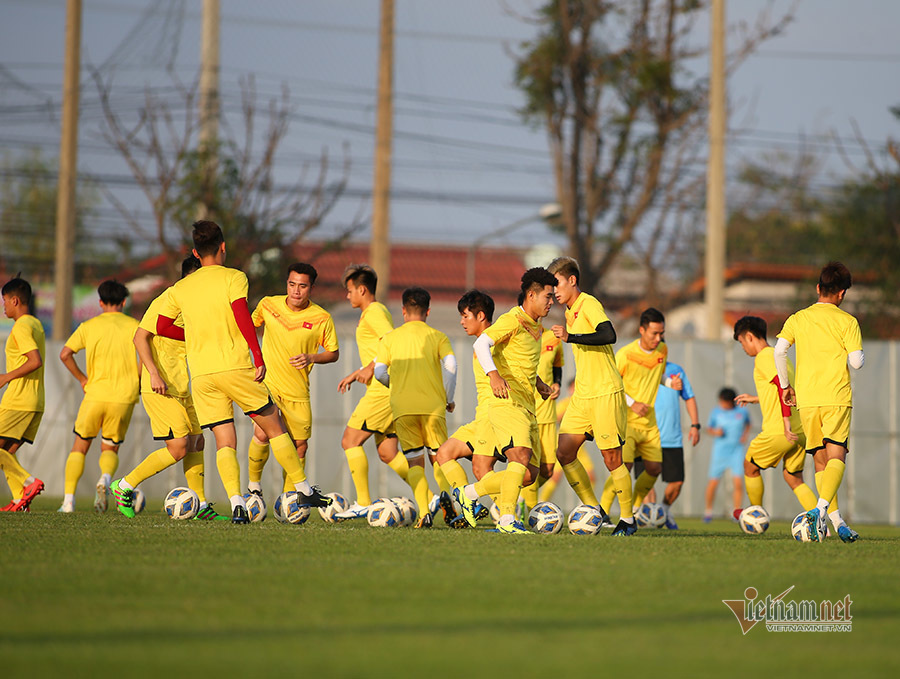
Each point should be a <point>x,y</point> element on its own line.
<point>355,511</point>
<point>434,505</point>
<point>100,499</point>
<point>66,508</point>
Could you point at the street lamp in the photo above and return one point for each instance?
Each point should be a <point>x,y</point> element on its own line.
<point>549,213</point>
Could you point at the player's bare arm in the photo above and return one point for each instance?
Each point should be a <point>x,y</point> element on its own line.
<point>67,356</point>
<point>788,434</point>
<point>639,408</point>
<point>32,363</point>
<point>543,388</point>
<point>746,399</point>
<point>560,332</point>
<point>142,344</point>
<point>499,386</point>
<point>301,361</point>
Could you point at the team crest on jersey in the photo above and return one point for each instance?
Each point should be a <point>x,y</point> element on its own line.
<point>307,325</point>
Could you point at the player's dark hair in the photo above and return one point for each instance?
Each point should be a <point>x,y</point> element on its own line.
<point>755,325</point>
<point>537,278</point>
<point>727,394</point>
<point>189,265</point>
<point>651,315</point>
<point>303,267</point>
<point>416,299</point>
<point>112,292</point>
<point>207,237</point>
<point>566,266</point>
<point>20,289</point>
<point>834,278</point>
<point>361,274</point>
<point>475,301</point>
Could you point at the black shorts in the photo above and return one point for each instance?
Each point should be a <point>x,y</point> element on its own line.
<point>672,465</point>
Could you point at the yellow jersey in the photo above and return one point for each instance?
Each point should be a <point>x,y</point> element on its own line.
<point>413,353</point>
<point>825,335</point>
<point>517,351</point>
<point>213,341</point>
<point>374,323</point>
<point>596,373</point>
<point>765,377</point>
<point>169,355</point>
<point>482,388</point>
<point>112,365</point>
<point>288,333</point>
<point>551,357</point>
<point>642,373</point>
<point>25,393</point>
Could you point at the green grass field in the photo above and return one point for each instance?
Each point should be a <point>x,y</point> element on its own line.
<point>88,595</point>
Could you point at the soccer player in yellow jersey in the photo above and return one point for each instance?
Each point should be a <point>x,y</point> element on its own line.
<point>165,392</point>
<point>509,352</point>
<point>597,408</point>
<point>220,338</point>
<point>417,363</point>
<point>110,389</point>
<point>22,405</point>
<point>781,438</point>
<point>372,415</point>
<point>294,329</point>
<point>828,340</point>
<point>549,486</point>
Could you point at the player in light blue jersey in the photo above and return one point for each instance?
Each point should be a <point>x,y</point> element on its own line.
<point>731,427</point>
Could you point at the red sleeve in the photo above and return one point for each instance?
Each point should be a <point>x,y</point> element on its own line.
<point>245,324</point>
<point>785,409</point>
<point>165,327</point>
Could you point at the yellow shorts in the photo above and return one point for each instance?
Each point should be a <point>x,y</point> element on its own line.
<point>373,413</point>
<point>478,436</point>
<point>297,416</point>
<point>515,427</point>
<point>825,424</point>
<point>19,425</point>
<point>642,443</point>
<point>767,450</point>
<point>171,417</point>
<point>420,431</point>
<point>110,418</point>
<point>602,419</point>
<point>547,435</point>
<point>216,394</point>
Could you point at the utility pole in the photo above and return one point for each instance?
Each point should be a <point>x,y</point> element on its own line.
<point>715,178</point>
<point>380,246</point>
<point>209,101</point>
<point>64,273</point>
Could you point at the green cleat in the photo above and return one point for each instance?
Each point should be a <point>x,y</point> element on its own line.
<point>209,514</point>
<point>124,499</point>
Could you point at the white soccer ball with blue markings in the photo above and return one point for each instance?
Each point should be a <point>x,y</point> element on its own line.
<point>338,504</point>
<point>754,520</point>
<point>546,517</point>
<point>800,528</point>
<point>585,520</point>
<point>408,511</point>
<point>138,500</point>
<point>291,509</point>
<point>651,515</point>
<point>495,513</point>
<point>383,513</point>
<point>182,503</point>
<point>256,507</point>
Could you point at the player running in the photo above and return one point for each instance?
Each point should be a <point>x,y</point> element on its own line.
<point>294,329</point>
<point>22,405</point>
<point>110,389</point>
<point>828,340</point>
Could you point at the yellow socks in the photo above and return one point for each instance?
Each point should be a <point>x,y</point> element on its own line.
<point>755,489</point>
<point>192,463</point>
<point>16,476</point>
<point>74,470</point>
<point>153,464</point>
<point>621,480</point>
<point>490,485</point>
<point>109,462</point>
<point>831,480</point>
<point>285,452</point>
<point>580,482</point>
<point>454,473</point>
<point>510,485</point>
<point>230,471</point>
<point>642,486</point>
<point>530,494</point>
<point>400,465</point>
<point>419,484</point>
<point>359,472</point>
<point>257,456</point>
<point>833,507</point>
<point>608,496</point>
<point>440,479</point>
<point>807,498</point>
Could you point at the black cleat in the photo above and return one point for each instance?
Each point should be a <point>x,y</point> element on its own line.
<point>314,499</point>
<point>624,529</point>
<point>240,515</point>
<point>481,512</point>
<point>425,521</point>
<point>459,523</point>
<point>256,492</point>
<point>450,513</point>
<point>604,517</point>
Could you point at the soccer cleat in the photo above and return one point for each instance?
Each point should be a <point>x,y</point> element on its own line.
<point>355,511</point>
<point>604,518</point>
<point>817,527</point>
<point>481,512</point>
<point>31,491</point>
<point>434,505</point>
<point>847,534</point>
<point>707,518</point>
<point>255,492</point>
<point>100,502</point>
<point>514,528</point>
<point>459,522</point>
<point>209,514</point>
<point>314,499</point>
<point>11,507</point>
<point>446,503</point>
<point>425,521</point>
<point>66,508</point>
<point>624,529</point>
<point>239,515</point>
<point>469,507</point>
<point>670,523</point>
<point>124,498</point>
<point>737,514</point>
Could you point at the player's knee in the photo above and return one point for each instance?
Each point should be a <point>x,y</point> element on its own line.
<point>546,471</point>
<point>531,474</point>
<point>652,468</point>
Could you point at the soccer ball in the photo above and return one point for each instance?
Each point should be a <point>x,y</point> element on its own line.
<point>495,513</point>
<point>291,509</point>
<point>651,515</point>
<point>754,520</point>
<point>256,507</point>
<point>383,514</point>
<point>338,504</point>
<point>407,509</point>
<point>585,520</point>
<point>182,503</point>
<point>276,510</point>
<point>138,500</point>
<point>545,517</point>
<point>800,528</point>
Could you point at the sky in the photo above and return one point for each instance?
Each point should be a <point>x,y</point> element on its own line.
<point>464,163</point>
